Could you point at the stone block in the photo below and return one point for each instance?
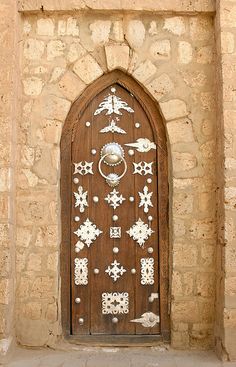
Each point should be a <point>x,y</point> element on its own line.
<point>117,31</point>
<point>42,287</point>
<point>56,74</point>
<point>160,86</point>
<point>230,198</point>
<point>32,333</point>
<point>23,287</point>
<point>5,262</point>
<point>174,109</point>
<point>227,42</point>
<point>47,236</point>
<point>55,48</point>
<point>185,254</point>
<point>179,229</point>
<point>27,155</point>
<point>183,161</point>
<point>201,28</point>
<point>207,255</point>
<point>185,52</point>
<point>68,27</point>
<point>117,57</point>
<point>153,28</point>
<point>100,30</point>
<point>87,69</point>
<point>144,71</point>
<point>160,50</point>
<point>4,206</point>
<point>204,55</point>
<point>54,107</point>
<point>230,258</point>
<point>32,310</point>
<point>27,179</point>
<point>182,283</point>
<point>185,311</point>
<point>76,51</point>
<point>33,86</point>
<point>175,25</point>
<point>230,285</point>
<point>135,33</point>
<point>33,49</point>
<point>180,131</point>
<point>51,131</point>
<point>205,283</point>
<point>182,204</point>
<point>71,86</point>
<point>45,27</point>
<point>4,235</point>
<point>34,262</point>
<point>52,262</point>
<point>52,312</point>
<point>203,229</point>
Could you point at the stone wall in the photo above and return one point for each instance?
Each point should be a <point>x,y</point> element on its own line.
<point>8,113</point>
<point>172,57</point>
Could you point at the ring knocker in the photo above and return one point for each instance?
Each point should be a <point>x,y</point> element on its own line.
<point>112,154</point>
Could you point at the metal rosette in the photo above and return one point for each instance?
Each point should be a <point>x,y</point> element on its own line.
<point>113,154</point>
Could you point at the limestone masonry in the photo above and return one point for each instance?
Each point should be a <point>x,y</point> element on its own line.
<point>183,54</point>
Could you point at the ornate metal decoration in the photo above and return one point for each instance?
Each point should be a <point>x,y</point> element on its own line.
<point>81,271</point>
<point>145,199</point>
<point>115,303</point>
<point>81,199</point>
<point>115,232</point>
<point>140,232</point>
<point>114,199</point>
<point>112,179</point>
<point>115,270</point>
<point>112,154</point>
<point>147,319</point>
<point>88,232</point>
<point>143,168</point>
<point>142,145</point>
<point>113,104</point>
<point>147,271</point>
<point>113,128</point>
<point>153,297</point>
<point>83,168</point>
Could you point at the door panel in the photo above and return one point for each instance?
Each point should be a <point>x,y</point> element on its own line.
<point>117,278</point>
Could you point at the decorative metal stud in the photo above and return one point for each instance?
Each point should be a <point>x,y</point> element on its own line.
<point>115,320</point>
<point>79,246</point>
<point>133,271</point>
<point>131,199</point>
<point>77,219</point>
<point>149,180</point>
<point>153,297</point>
<point>96,271</point>
<point>150,218</point>
<point>115,218</point>
<point>93,151</point>
<point>131,152</point>
<point>81,321</point>
<point>95,199</point>
<point>76,180</point>
<point>115,250</point>
<point>87,123</point>
<point>150,250</point>
<point>115,232</point>
<point>137,125</point>
<point>77,300</point>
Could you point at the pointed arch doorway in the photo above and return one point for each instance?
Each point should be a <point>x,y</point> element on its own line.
<point>114,194</point>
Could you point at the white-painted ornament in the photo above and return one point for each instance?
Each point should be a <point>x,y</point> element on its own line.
<point>140,232</point>
<point>137,125</point>
<point>87,123</point>
<point>131,199</point>
<point>150,218</point>
<point>133,271</point>
<point>77,219</point>
<point>115,218</point>
<point>115,250</point>
<point>115,270</point>
<point>96,271</point>
<point>115,320</point>
<point>76,180</point>
<point>93,151</point>
<point>145,200</point>
<point>77,300</point>
<point>131,152</point>
<point>150,250</point>
<point>95,199</point>
<point>115,303</point>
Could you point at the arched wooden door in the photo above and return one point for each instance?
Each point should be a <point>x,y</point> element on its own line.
<point>112,162</point>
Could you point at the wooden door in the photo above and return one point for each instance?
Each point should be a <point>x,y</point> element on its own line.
<point>114,218</point>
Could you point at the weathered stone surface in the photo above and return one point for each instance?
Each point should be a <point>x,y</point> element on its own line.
<point>45,27</point>
<point>55,108</point>
<point>117,57</point>
<point>32,332</point>
<point>173,109</point>
<point>227,42</point>
<point>55,48</point>
<point>144,71</point>
<point>68,27</point>
<point>160,50</point>
<point>185,52</point>
<point>33,86</point>
<point>33,49</point>
<point>202,229</point>
<point>4,179</point>
<point>183,161</point>
<point>4,291</point>
<point>160,86</point>
<point>75,52</point>
<point>205,55</point>
<point>180,131</point>
<point>183,204</point>
<point>175,25</point>
<point>135,33</point>
<point>201,28</point>
<point>100,30</point>
<point>184,254</point>
<point>87,69</point>
<point>70,86</point>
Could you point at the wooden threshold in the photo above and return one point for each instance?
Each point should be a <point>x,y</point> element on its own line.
<point>117,340</point>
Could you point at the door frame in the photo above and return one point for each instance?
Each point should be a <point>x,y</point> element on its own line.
<point>156,121</point>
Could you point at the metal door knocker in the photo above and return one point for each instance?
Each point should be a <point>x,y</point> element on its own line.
<point>112,154</point>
